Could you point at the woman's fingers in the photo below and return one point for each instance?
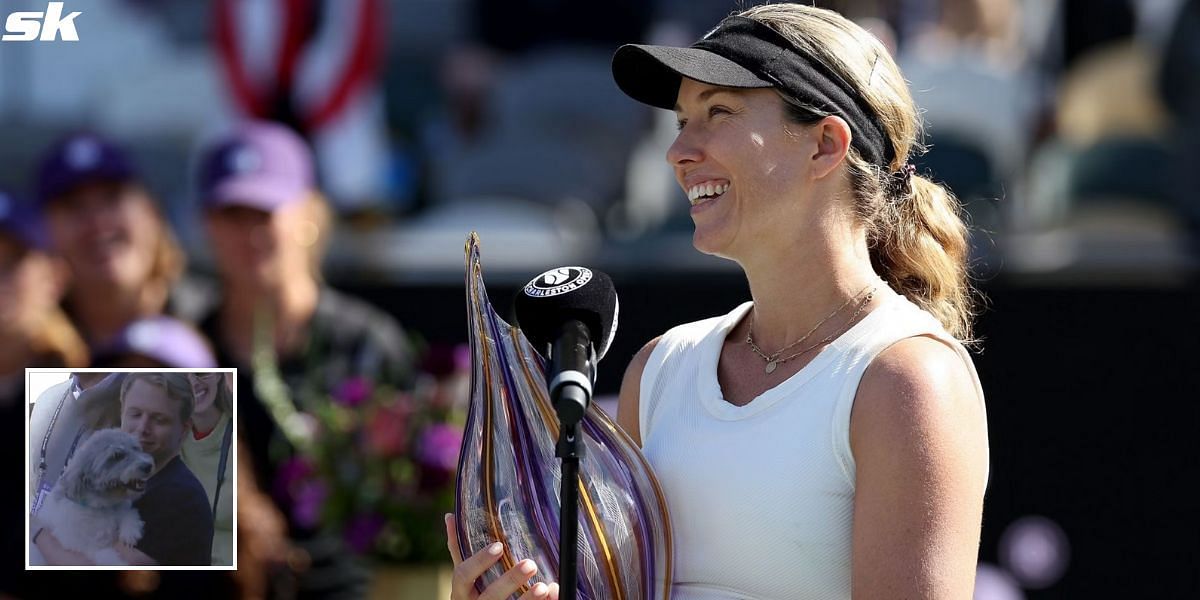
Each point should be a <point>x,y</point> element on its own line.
<point>452,539</point>
<point>541,591</point>
<point>469,570</point>
<point>511,582</point>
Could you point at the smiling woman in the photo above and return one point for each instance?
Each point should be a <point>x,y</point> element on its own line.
<point>208,451</point>
<point>104,223</point>
<point>828,439</point>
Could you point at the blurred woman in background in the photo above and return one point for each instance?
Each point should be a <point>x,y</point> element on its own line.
<point>267,222</point>
<point>103,221</point>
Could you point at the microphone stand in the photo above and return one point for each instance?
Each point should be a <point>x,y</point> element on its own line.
<point>569,450</point>
<point>570,392</point>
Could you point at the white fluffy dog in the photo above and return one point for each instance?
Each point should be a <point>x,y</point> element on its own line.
<point>91,508</point>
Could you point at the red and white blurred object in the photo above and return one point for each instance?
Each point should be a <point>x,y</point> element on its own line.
<point>314,66</point>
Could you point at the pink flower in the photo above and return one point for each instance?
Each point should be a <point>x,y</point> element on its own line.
<point>352,392</point>
<point>387,430</point>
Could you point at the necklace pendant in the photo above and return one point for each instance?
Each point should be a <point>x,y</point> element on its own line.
<point>771,367</point>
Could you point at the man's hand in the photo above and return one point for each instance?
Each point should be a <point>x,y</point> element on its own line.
<point>56,554</point>
<point>134,557</point>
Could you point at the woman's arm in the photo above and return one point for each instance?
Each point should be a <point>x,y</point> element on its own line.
<point>919,440</point>
<point>630,398</point>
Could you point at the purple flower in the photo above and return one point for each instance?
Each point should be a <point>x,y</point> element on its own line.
<point>362,530</point>
<point>439,446</point>
<point>309,501</point>
<point>352,392</point>
<point>289,476</point>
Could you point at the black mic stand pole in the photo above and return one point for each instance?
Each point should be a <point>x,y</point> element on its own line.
<point>570,392</point>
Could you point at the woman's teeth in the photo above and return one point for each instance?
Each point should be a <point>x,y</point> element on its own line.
<point>704,191</point>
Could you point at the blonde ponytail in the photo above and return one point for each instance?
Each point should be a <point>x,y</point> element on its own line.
<point>919,245</point>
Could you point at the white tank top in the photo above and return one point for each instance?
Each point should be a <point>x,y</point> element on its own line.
<point>761,496</point>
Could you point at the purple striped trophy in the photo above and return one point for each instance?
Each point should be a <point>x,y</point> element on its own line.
<point>508,475</point>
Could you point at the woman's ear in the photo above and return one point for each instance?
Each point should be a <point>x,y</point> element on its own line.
<point>833,136</point>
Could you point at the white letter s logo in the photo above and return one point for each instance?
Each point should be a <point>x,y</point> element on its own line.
<point>23,27</point>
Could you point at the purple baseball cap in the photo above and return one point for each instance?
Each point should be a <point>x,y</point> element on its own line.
<point>165,340</point>
<point>80,158</point>
<point>261,165</point>
<point>19,220</point>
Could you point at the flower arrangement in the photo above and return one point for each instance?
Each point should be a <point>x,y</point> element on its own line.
<point>373,463</point>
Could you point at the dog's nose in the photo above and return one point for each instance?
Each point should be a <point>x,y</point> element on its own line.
<point>146,468</point>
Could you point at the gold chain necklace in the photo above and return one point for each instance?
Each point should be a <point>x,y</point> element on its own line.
<point>773,360</point>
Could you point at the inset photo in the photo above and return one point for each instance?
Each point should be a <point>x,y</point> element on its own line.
<point>131,468</point>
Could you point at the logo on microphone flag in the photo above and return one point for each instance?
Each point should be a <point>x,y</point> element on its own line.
<point>556,282</point>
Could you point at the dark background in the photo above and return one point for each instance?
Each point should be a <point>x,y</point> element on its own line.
<point>1092,407</point>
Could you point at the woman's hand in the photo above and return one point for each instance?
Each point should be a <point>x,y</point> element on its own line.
<point>467,571</point>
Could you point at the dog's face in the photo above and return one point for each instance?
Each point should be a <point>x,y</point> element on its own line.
<point>108,468</point>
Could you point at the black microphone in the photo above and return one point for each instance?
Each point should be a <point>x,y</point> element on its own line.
<point>570,315</point>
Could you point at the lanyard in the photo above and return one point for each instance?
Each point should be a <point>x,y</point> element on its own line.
<point>221,465</point>
<point>42,488</point>
<point>50,430</point>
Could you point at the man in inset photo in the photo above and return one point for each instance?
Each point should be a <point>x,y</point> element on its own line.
<point>111,467</point>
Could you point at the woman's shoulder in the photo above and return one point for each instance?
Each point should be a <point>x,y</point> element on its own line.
<point>920,387</point>
<point>693,332</point>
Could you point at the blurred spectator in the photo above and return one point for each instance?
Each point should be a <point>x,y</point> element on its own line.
<point>314,66</point>
<point>156,342</point>
<point>978,96</point>
<point>537,71</point>
<point>1109,150</point>
<point>267,222</point>
<point>1110,92</point>
<point>124,261</point>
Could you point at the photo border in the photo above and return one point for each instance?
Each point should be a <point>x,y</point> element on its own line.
<point>232,481</point>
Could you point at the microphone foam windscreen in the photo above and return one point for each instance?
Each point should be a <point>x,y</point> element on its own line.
<point>567,293</point>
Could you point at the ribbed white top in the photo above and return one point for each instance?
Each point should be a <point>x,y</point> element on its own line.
<point>762,495</point>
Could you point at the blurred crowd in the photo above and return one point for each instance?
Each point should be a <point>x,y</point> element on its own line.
<point>1043,116</point>
<point>170,184</point>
